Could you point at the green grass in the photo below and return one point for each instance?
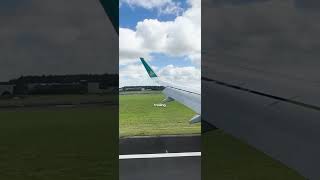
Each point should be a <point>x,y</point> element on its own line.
<point>226,158</point>
<point>138,117</point>
<point>139,92</point>
<point>59,144</point>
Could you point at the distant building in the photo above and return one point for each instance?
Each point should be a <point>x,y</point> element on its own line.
<point>132,88</point>
<point>6,89</point>
<point>141,88</point>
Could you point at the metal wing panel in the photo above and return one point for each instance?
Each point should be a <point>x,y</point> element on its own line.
<point>286,132</point>
<point>190,100</point>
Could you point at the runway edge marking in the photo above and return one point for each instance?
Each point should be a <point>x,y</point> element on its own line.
<point>159,155</point>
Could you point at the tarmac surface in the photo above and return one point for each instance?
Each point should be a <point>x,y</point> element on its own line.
<point>147,166</point>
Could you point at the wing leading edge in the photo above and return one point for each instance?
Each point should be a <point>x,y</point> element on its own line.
<point>186,96</point>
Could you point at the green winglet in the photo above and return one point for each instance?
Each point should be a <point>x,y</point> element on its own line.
<point>151,73</point>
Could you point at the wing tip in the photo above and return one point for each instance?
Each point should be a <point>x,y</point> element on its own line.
<point>149,70</point>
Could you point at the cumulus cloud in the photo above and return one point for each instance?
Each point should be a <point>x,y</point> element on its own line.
<point>180,37</point>
<point>188,75</point>
<point>131,47</point>
<point>135,74</point>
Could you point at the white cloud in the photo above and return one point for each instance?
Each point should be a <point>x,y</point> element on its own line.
<point>135,75</point>
<point>180,37</point>
<point>131,47</point>
<point>195,3</point>
<point>189,75</point>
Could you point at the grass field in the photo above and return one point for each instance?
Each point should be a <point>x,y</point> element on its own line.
<point>226,158</point>
<point>138,117</point>
<point>59,144</point>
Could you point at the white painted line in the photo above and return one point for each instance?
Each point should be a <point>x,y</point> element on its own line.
<point>160,155</point>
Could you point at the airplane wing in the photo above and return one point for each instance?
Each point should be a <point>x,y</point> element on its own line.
<point>186,96</point>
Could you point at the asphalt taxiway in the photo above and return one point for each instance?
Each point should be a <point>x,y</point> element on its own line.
<point>166,157</point>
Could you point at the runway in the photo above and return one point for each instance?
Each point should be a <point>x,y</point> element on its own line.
<point>167,157</point>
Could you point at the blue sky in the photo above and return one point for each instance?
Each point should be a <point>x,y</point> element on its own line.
<point>129,16</point>
<point>170,56</point>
